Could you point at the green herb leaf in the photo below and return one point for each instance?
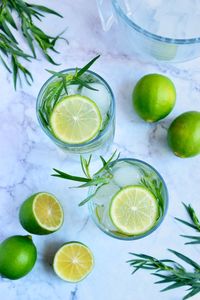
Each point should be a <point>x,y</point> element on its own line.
<point>26,13</point>
<point>100,178</point>
<point>186,223</point>
<point>85,164</point>
<point>113,158</point>
<point>195,224</point>
<point>170,272</point>
<point>87,66</point>
<point>194,239</point>
<point>64,80</point>
<point>63,175</point>
<point>45,9</point>
<point>186,259</point>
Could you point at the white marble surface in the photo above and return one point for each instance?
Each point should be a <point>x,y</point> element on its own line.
<point>27,157</point>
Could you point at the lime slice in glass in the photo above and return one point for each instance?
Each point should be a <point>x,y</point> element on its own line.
<point>134,210</point>
<point>76,119</point>
<point>41,214</point>
<point>73,262</point>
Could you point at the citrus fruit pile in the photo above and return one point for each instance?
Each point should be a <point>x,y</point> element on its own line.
<point>42,214</point>
<point>133,210</point>
<point>154,97</point>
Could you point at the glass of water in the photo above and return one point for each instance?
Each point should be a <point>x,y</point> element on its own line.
<point>133,203</point>
<point>100,95</point>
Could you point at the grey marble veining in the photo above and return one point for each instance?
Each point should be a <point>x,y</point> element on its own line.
<point>27,157</point>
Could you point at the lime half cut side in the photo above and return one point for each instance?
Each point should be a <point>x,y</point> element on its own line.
<point>134,210</point>
<point>41,214</point>
<point>73,262</point>
<point>76,119</point>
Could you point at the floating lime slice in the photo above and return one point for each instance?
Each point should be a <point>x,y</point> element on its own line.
<point>76,119</point>
<point>134,210</point>
<point>73,262</point>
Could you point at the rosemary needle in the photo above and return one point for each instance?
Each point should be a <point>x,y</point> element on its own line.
<point>58,88</point>
<point>98,179</point>
<point>195,224</point>
<point>11,53</point>
<point>170,272</point>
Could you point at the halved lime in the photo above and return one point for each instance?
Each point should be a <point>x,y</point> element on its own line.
<point>134,210</point>
<point>76,119</point>
<point>73,262</point>
<point>41,214</point>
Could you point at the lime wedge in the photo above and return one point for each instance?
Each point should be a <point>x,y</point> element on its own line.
<point>134,210</point>
<point>41,214</point>
<point>76,119</point>
<point>73,262</point>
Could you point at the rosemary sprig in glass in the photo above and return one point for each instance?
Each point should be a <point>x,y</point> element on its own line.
<point>11,53</point>
<point>152,184</point>
<point>58,88</point>
<point>195,224</point>
<point>98,179</point>
<point>170,272</point>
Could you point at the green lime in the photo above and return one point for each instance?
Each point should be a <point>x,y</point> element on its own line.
<point>41,214</point>
<point>17,256</point>
<point>76,119</point>
<point>184,134</point>
<point>154,97</point>
<point>134,210</point>
<point>73,262</point>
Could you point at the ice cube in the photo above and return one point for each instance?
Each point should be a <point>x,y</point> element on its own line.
<point>105,193</point>
<point>126,174</point>
<point>73,89</point>
<point>107,222</point>
<point>100,97</point>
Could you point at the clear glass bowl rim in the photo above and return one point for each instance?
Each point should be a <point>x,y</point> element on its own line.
<point>149,34</point>
<point>63,144</point>
<point>132,238</point>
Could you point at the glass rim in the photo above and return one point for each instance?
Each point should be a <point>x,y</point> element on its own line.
<point>149,34</point>
<point>160,220</point>
<point>98,137</point>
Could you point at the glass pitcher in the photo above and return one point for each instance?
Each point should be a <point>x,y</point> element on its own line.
<point>157,29</point>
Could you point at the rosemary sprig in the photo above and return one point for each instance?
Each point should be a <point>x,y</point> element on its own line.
<point>151,183</point>
<point>195,224</point>
<point>10,52</point>
<point>59,88</point>
<point>155,187</point>
<point>170,272</point>
<point>10,49</point>
<point>98,179</point>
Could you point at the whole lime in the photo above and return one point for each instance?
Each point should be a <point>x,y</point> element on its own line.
<point>184,134</point>
<point>154,97</point>
<point>17,256</point>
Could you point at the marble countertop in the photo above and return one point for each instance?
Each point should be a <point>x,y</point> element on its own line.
<point>27,157</point>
